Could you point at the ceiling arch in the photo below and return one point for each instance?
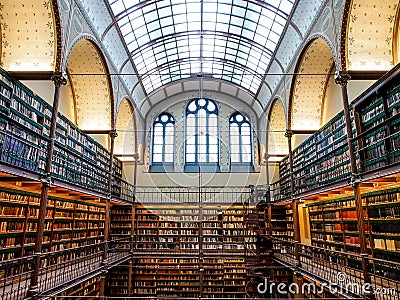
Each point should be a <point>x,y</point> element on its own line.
<point>125,142</point>
<point>197,87</point>
<point>87,73</point>
<point>170,42</point>
<point>308,87</point>
<point>276,127</point>
<point>370,41</point>
<point>35,43</point>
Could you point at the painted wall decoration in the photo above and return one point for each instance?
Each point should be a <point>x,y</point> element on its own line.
<point>309,87</point>
<point>370,35</point>
<point>277,142</point>
<point>125,143</point>
<point>28,35</point>
<point>91,89</point>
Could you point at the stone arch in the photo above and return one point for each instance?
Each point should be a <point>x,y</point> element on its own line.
<point>126,141</point>
<point>309,86</point>
<point>91,87</point>
<point>369,36</point>
<point>276,127</point>
<point>31,36</point>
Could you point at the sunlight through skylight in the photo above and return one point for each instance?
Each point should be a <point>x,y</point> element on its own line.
<point>232,40</point>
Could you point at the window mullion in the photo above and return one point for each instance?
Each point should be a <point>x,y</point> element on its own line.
<point>240,143</point>
<point>164,140</point>
<point>197,134</point>
<point>207,133</point>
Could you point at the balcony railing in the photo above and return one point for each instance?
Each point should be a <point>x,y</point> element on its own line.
<point>341,272</point>
<point>122,190</point>
<point>192,195</point>
<point>58,268</point>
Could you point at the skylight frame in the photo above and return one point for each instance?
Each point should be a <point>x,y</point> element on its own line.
<point>171,32</point>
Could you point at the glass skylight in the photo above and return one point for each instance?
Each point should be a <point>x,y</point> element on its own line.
<point>231,40</point>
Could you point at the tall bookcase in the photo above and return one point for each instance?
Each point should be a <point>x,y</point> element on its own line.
<point>25,119</point>
<point>334,223</point>
<point>279,220</point>
<point>185,250</point>
<point>69,222</point>
<point>122,219</point>
<point>322,161</point>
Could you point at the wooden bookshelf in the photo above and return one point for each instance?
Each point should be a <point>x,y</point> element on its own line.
<point>89,289</point>
<point>173,238</point>
<point>323,161</point>
<point>284,171</point>
<point>24,131</point>
<point>334,223</point>
<point>281,221</point>
<point>69,223</point>
<point>122,221</point>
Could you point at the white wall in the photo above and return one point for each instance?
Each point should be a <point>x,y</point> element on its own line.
<point>45,89</point>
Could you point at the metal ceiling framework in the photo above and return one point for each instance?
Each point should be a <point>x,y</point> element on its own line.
<point>170,40</point>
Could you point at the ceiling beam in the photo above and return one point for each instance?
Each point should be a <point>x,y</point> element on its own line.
<point>31,75</point>
<point>105,131</point>
<point>366,75</point>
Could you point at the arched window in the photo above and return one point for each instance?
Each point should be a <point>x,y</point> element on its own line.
<point>163,142</point>
<point>202,144</point>
<point>240,140</point>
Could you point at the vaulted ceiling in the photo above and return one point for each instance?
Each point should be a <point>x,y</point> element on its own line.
<point>223,39</point>
<point>371,35</point>
<point>28,36</point>
<point>162,48</point>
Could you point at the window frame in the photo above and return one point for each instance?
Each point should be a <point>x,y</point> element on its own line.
<point>197,165</point>
<point>163,166</point>
<point>241,166</point>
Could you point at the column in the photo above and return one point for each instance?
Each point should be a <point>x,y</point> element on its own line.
<point>103,277</point>
<point>295,202</point>
<point>268,188</point>
<point>297,277</point>
<point>268,195</point>
<point>136,158</point>
<point>58,80</point>
<point>130,277</point>
<point>342,80</point>
<point>113,134</point>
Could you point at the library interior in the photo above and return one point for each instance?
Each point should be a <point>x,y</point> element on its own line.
<point>190,149</point>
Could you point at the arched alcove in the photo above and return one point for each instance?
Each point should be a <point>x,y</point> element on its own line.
<point>370,36</point>
<point>309,86</point>
<point>276,127</point>
<point>91,88</point>
<point>29,31</point>
<point>125,142</point>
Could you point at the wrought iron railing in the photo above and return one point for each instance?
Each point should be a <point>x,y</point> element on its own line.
<point>346,274</point>
<point>122,190</point>
<point>192,195</point>
<point>58,268</point>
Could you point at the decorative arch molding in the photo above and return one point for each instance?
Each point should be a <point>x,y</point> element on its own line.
<point>368,35</point>
<point>334,49</point>
<point>276,127</point>
<point>309,86</point>
<point>35,44</point>
<point>91,85</point>
<point>126,141</point>
<point>396,38</point>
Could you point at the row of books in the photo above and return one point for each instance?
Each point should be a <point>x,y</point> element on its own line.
<point>24,139</point>
<point>378,147</point>
<point>178,281</point>
<point>19,212</point>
